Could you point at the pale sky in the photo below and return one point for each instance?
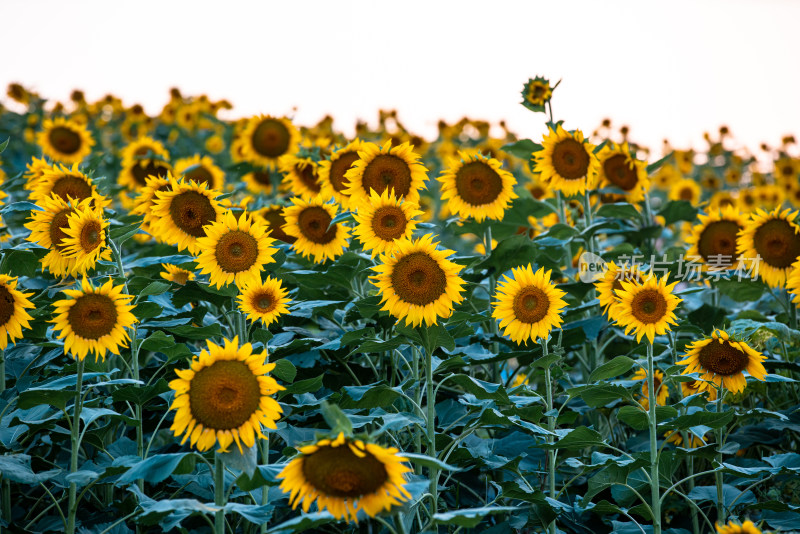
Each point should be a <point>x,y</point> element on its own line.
<point>667,69</point>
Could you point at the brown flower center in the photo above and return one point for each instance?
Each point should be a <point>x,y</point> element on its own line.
<point>340,166</point>
<point>570,159</point>
<point>7,305</point>
<point>224,395</point>
<point>649,306</point>
<point>271,138</point>
<point>619,172</point>
<point>143,169</point>
<point>418,279</point>
<point>190,211</point>
<point>57,225</point>
<point>722,358</point>
<point>200,175</point>
<point>263,301</point>
<point>263,178</point>
<point>478,184</point>
<point>92,316</point>
<point>64,140</point>
<point>314,222</point>
<point>236,251</point>
<point>389,223</point>
<point>275,221</point>
<point>337,472</point>
<point>719,239</point>
<point>387,171</point>
<point>686,193</point>
<point>180,277</point>
<point>531,305</point>
<point>777,243</point>
<point>73,187</point>
<point>91,236</point>
<point>308,176</point>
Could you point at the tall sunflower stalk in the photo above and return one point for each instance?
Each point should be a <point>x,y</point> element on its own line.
<point>75,442</point>
<point>652,424</point>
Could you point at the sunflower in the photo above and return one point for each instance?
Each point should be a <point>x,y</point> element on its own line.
<point>713,241</point>
<point>536,93</point>
<point>346,475</point>
<point>182,211</point>
<point>567,162</point>
<point>34,172</point>
<point>301,176</point>
<point>693,387</point>
<point>142,148</point>
<point>273,216</point>
<point>215,144</point>
<point>266,301</point>
<point>94,319</point>
<point>13,317</point>
<point>225,396</point>
<point>332,172</point>
<point>647,308</point>
<point>266,138</point>
<point>685,189</point>
<point>84,239</point>
<point>134,175</point>
<point>261,180</point>
<point>662,392</point>
<point>380,168</point>
<point>477,187</point>
<point>201,170</point>
<point>311,223</point>
<point>417,281</point>
<point>723,361</point>
<point>384,221</point>
<point>143,203</point>
<point>67,183</point>
<point>64,140</point>
<point>748,527</point>
<point>620,169</point>
<point>723,199</point>
<point>234,250</point>
<point>173,273</point>
<point>677,439</point>
<point>610,282</point>
<point>528,306</point>
<point>770,244</point>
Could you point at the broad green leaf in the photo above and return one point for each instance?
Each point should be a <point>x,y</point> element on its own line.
<point>618,366</point>
<point>427,461</point>
<point>620,210</point>
<point>678,210</point>
<point>154,469</point>
<point>17,468</point>
<point>140,395</point>
<point>522,149</point>
<point>284,370</point>
<point>470,517</point>
<point>578,438</point>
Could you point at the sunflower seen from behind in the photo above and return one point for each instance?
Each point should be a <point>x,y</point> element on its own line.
<point>93,320</point>
<point>477,186</point>
<point>567,162</point>
<point>265,139</point>
<point>384,221</point>
<point>65,140</point>
<point>13,317</point>
<point>265,301</point>
<point>310,223</point>
<point>225,397</point>
<point>646,308</point>
<point>770,243</point>
<point>344,476</point>
<point>721,360</point>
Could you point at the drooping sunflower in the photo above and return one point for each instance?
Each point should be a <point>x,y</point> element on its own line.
<point>722,361</point>
<point>266,138</point>
<point>567,162</point>
<point>266,301</point>
<point>143,148</point>
<point>620,169</point>
<point>181,212</point>
<point>273,217</point>
<point>310,222</point>
<point>417,282</point>
<point>477,186</point>
<point>693,387</point>
<point>94,319</point>
<point>385,167</point>
<point>529,305</point>
<point>647,308</point>
<point>261,180</point>
<point>84,239</point>
<point>345,475</point>
<point>384,221</point>
<point>685,189</point>
<point>662,392</point>
<point>713,241</point>
<point>774,239</point>
<point>332,172</point>
<point>610,282</point>
<point>13,317</point>
<point>173,273</point>
<point>134,175</point>
<point>225,397</point>
<point>234,250</point>
<point>67,184</point>
<point>300,175</point>
<point>65,140</point>
<point>201,169</point>
<point>536,93</point>
<point>748,527</point>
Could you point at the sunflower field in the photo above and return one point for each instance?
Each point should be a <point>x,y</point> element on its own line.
<point>217,325</point>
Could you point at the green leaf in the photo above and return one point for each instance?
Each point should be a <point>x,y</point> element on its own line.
<point>140,395</point>
<point>600,395</point>
<point>304,386</point>
<point>481,389</point>
<point>4,144</point>
<point>637,418</point>
<point>522,149</point>
<point>17,468</point>
<point>657,164</point>
<point>58,398</point>
<point>257,514</point>
<point>337,420</point>
<point>378,395</point>
<point>284,370</point>
<point>619,210</point>
<point>427,461</point>
<point>729,494</point>
<point>579,438</point>
<point>744,290</point>
<point>678,210</point>
<point>618,366</point>
<point>303,522</point>
<point>470,517</point>
<point>154,469</point>
<point>158,341</point>
<point>203,333</point>
<point>710,419</point>
<point>154,288</point>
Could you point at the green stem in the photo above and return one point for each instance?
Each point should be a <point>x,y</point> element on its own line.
<point>654,480</point>
<point>551,426</point>
<point>718,472</point>
<point>792,311</point>
<point>219,494</point>
<point>430,424</point>
<point>72,508</point>
<point>588,220</point>
<point>418,400</point>
<point>492,322</point>
<point>264,454</point>
<point>6,487</point>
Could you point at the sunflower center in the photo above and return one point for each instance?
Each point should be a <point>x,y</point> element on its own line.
<point>722,358</point>
<point>263,302</point>
<point>478,184</point>
<point>389,223</point>
<point>649,306</point>
<point>73,187</point>
<point>92,316</point>
<point>339,167</point>
<point>387,171</point>
<point>90,236</point>
<point>537,92</point>
<point>275,221</point>
<point>200,175</point>
<point>570,159</point>
<point>314,222</point>
<point>262,178</point>
<point>337,472</point>
<point>65,140</point>
<point>418,279</point>
<point>236,251</point>
<point>142,170</point>
<point>190,211</point>
<point>718,239</point>
<point>777,243</point>
<point>180,277</point>
<point>531,305</point>
<point>224,395</point>
<point>308,176</point>
<point>686,193</point>
<point>271,138</point>
<point>620,173</point>
<point>6,305</point>
<point>57,225</point>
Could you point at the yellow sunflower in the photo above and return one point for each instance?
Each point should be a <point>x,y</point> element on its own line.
<point>713,241</point>
<point>647,308</point>
<point>722,361</point>
<point>662,392</point>
<point>332,172</point>
<point>266,138</point>
<point>620,169</point>
<point>13,317</point>
<point>143,203</point>
<point>344,476</point>
<point>722,200</point>
<point>476,186</point>
<point>135,174</point>
<point>273,217</point>
<point>610,282</point>
<point>261,180</point>
<point>201,170</point>
<point>94,319</point>
<point>694,387</point>
<point>384,221</point>
<point>173,273</point>
<point>65,140</point>
<point>770,244</point>
<point>566,162</point>
<point>34,172</point>
<point>677,439</point>
<point>310,222</point>
<point>84,239</point>
<point>225,396</point>
<point>234,250</point>
<point>301,176</point>
<point>536,93</point>
<point>380,168</point>
<point>529,305</point>
<point>143,148</point>
<point>266,301</point>
<point>748,527</point>
<point>181,213</point>
<point>417,282</point>
<point>685,189</point>
<point>66,183</point>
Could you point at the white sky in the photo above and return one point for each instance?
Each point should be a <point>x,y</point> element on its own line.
<point>672,69</point>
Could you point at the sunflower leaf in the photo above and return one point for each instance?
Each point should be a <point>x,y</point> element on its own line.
<point>470,517</point>
<point>617,366</point>
<point>678,210</point>
<point>522,149</point>
<point>427,461</point>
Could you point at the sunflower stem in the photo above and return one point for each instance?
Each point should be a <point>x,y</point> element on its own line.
<point>492,323</point>
<point>264,489</point>
<point>562,218</point>
<point>430,422</point>
<point>718,471</point>
<point>654,480</point>
<point>418,401</point>
<point>551,426</point>
<point>72,508</point>
<point>219,494</point>
<point>792,310</point>
<point>6,487</point>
